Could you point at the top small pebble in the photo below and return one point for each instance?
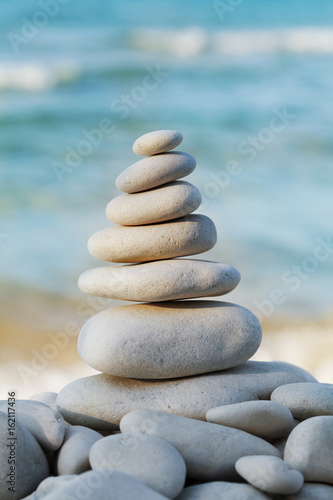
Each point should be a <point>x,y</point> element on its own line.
<point>157,142</point>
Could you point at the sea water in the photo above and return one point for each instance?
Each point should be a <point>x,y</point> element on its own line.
<point>248,83</point>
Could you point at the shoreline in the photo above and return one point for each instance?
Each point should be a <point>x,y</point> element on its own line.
<point>39,340</point>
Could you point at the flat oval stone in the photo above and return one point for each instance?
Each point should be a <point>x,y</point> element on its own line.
<point>100,401</point>
<point>219,490</point>
<point>156,142</point>
<point>185,236</point>
<point>163,203</point>
<point>309,449</point>
<point>44,423</point>
<point>30,465</point>
<point>99,484</point>
<point>154,171</point>
<point>313,491</point>
<point>199,443</point>
<point>161,280</point>
<point>73,456</point>
<point>306,400</point>
<point>151,341</point>
<point>265,419</point>
<point>269,474</point>
<point>148,458</point>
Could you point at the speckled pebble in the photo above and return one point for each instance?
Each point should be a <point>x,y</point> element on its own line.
<point>156,142</point>
<point>309,449</point>
<point>266,419</point>
<point>313,491</point>
<point>148,458</point>
<point>269,474</point>
<point>306,400</point>
<point>171,201</point>
<point>210,451</point>
<point>154,171</point>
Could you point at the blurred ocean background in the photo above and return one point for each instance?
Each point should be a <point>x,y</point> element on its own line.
<point>248,85</point>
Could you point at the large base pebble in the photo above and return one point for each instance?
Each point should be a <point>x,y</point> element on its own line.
<point>210,451</point>
<point>151,341</point>
<point>154,171</point>
<point>148,458</point>
<point>22,462</point>
<point>309,449</point>
<point>269,474</point>
<point>162,280</point>
<point>306,400</point>
<point>265,419</point>
<point>100,401</point>
<point>171,201</point>
<point>44,423</point>
<point>184,236</point>
<point>220,490</point>
<point>73,456</point>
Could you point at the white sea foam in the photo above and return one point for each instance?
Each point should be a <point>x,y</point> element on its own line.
<point>35,76</point>
<point>195,40</point>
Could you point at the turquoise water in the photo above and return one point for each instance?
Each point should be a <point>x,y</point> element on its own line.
<point>251,91</point>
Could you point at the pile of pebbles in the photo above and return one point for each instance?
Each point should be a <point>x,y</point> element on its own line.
<point>178,411</point>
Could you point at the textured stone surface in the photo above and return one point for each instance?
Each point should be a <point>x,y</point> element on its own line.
<point>173,339</point>
<point>309,449</point>
<point>73,456</point>
<point>269,474</point>
<point>49,485</point>
<point>156,142</point>
<point>199,443</point>
<point>155,171</point>
<point>30,465</point>
<point>163,203</point>
<point>44,423</point>
<point>48,398</point>
<point>148,458</point>
<point>94,485</point>
<point>184,236</point>
<point>100,401</point>
<point>306,400</point>
<point>161,280</point>
<point>266,419</point>
<point>313,491</point>
<point>220,490</point>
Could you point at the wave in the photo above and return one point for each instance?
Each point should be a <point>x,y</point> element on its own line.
<point>33,76</point>
<point>196,40</point>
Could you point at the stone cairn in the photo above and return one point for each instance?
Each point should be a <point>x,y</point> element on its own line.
<point>197,420</point>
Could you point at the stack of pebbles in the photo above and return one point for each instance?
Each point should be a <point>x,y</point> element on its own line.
<point>176,377</point>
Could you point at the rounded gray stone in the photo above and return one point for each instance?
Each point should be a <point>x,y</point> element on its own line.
<point>48,398</point>
<point>100,401</point>
<point>220,490</point>
<point>44,423</point>
<point>269,474</point>
<point>161,280</point>
<point>148,458</point>
<point>265,419</point>
<point>154,171</point>
<point>309,449</point>
<point>26,457</point>
<point>184,236</point>
<point>156,142</point>
<point>306,400</point>
<point>170,201</point>
<point>313,491</point>
<point>210,451</point>
<point>73,456</point>
<point>98,484</point>
<point>151,341</point>
<point>49,485</point>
